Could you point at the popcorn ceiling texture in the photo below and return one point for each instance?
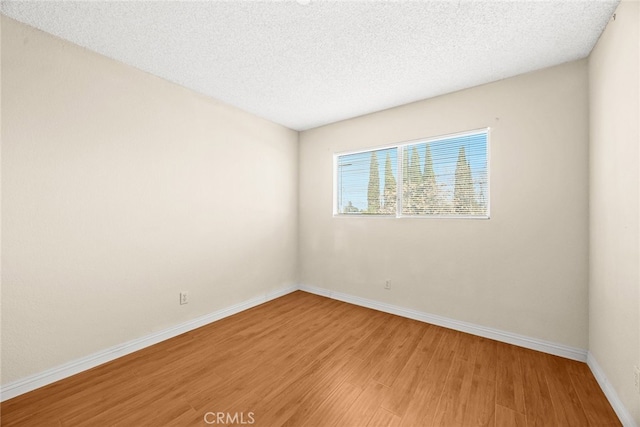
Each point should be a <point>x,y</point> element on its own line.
<point>306,65</point>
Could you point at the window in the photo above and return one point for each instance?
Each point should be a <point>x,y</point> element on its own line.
<point>436,177</point>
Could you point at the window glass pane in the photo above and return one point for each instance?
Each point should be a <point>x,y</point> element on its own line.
<point>446,177</point>
<point>366,182</point>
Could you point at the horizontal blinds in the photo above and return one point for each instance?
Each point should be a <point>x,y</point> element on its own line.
<point>438,177</point>
<point>446,177</point>
<point>367,182</point>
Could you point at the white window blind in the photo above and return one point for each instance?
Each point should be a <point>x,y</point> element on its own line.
<point>366,182</point>
<point>437,177</point>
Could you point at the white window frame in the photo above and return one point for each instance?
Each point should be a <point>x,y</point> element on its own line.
<point>399,192</point>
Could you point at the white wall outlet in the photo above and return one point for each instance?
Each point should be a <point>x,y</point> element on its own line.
<point>636,378</point>
<point>184,298</point>
<point>387,284</point>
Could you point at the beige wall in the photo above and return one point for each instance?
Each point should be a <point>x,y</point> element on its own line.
<point>119,190</point>
<point>525,269</point>
<point>614,291</point>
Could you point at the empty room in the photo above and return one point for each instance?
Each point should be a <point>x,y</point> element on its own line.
<point>320,213</point>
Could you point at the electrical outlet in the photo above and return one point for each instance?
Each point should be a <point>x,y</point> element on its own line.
<point>636,378</point>
<point>387,284</point>
<point>184,298</point>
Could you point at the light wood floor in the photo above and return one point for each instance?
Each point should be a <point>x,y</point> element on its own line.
<point>304,360</point>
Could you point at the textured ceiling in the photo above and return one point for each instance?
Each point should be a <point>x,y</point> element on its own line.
<point>308,63</point>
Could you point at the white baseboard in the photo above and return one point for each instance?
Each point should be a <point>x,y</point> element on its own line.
<point>49,376</point>
<point>625,417</point>
<point>520,340</point>
<point>483,331</point>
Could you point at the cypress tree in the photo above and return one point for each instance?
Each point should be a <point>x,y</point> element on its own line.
<point>389,187</point>
<point>415,175</point>
<point>415,181</point>
<point>463,193</point>
<point>405,180</point>
<point>373,194</point>
<point>429,184</point>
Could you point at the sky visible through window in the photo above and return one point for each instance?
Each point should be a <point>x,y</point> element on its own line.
<point>353,170</point>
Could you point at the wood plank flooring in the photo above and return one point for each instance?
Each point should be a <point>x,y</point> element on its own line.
<point>305,360</point>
